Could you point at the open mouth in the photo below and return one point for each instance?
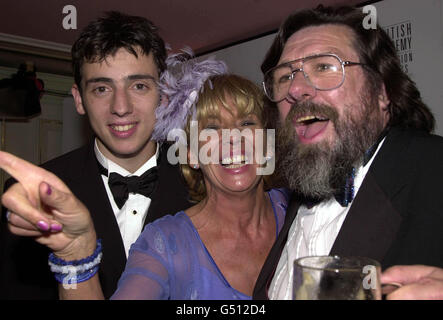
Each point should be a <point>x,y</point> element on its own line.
<point>308,127</point>
<point>234,162</point>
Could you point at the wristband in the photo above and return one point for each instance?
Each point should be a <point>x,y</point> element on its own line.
<point>76,271</point>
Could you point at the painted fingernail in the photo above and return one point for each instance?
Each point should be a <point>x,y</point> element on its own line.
<point>49,190</point>
<point>56,227</point>
<point>43,225</point>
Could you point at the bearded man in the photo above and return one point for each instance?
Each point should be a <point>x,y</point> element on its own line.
<point>354,144</point>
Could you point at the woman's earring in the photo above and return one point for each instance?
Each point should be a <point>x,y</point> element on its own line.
<point>196,166</point>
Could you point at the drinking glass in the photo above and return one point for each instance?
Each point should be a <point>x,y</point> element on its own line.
<point>336,278</point>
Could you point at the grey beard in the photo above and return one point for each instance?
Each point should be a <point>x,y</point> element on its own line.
<point>309,174</point>
<point>318,171</point>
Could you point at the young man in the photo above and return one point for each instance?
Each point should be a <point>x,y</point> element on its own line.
<point>353,124</point>
<point>117,61</point>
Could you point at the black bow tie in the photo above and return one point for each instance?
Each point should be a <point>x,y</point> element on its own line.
<point>121,186</point>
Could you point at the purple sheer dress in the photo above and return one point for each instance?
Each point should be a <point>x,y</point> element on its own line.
<point>170,261</point>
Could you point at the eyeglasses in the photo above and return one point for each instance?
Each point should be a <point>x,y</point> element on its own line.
<point>323,72</point>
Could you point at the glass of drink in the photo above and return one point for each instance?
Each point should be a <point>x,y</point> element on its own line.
<point>336,278</point>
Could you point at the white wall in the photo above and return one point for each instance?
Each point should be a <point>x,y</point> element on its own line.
<point>76,129</point>
<point>416,28</point>
<point>245,59</point>
<point>38,139</point>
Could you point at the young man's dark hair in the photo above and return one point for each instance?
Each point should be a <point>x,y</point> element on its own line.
<point>104,36</point>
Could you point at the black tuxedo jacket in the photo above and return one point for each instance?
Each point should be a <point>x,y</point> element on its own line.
<point>24,271</point>
<point>397,215</point>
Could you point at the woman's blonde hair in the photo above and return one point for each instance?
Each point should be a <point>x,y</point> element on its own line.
<point>221,91</point>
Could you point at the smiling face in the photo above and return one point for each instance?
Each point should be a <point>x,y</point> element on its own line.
<point>120,96</point>
<point>326,133</point>
<point>233,169</point>
<point>227,104</point>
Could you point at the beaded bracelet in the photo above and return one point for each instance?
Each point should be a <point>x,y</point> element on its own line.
<point>76,271</point>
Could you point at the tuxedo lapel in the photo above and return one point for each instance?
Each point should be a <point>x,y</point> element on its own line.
<point>170,195</point>
<point>372,222</point>
<point>370,225</point>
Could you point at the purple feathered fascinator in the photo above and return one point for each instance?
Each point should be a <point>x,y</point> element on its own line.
<point>182,82</point>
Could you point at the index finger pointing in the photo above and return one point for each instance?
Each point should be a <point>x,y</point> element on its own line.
<point>29,175</point>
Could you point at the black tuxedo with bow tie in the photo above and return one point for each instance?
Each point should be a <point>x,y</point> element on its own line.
<point>397,214</point>
<point>24,271</point>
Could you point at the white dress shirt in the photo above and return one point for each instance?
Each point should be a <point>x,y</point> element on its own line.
<point>312,233</point>
<point>131,216</point>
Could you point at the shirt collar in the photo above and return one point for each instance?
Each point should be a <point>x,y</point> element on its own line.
<point>363,170</point>
<point>114,167</point>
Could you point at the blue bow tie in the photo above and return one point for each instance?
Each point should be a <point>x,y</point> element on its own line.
<point>346,194</point>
